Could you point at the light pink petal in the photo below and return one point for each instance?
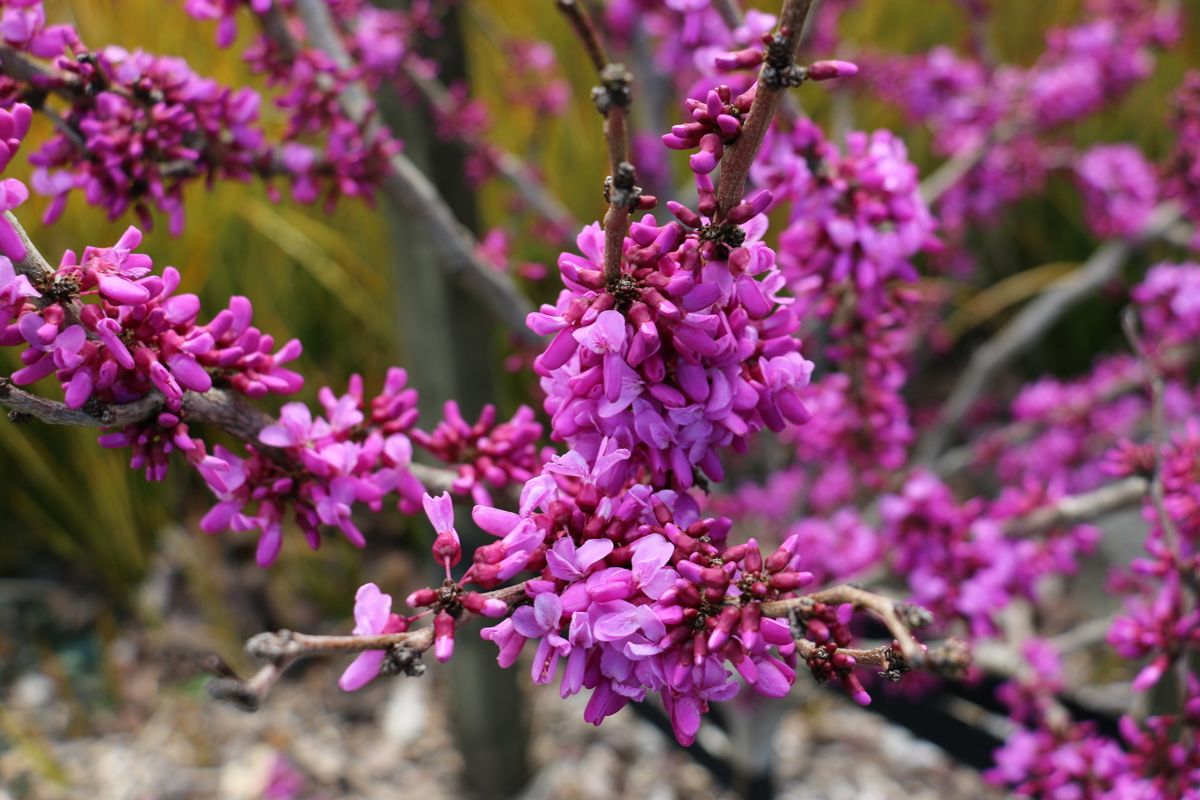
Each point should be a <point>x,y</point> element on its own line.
<point>362,670</point>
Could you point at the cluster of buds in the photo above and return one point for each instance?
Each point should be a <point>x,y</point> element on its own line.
<point>501,454</point>
<point>716,122</point>
<point>139,127</point>
<point>140,336</point>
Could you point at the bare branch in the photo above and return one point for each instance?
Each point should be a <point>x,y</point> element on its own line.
<point>582,25</point>
<point>1031,323</point>
<point>1157,433</point>
<point>514,169</point>
<point>861,599</point>
<point>1074,509</point>
<point>731,15</point>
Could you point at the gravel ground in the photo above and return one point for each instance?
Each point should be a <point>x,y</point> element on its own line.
<point>168,740</point>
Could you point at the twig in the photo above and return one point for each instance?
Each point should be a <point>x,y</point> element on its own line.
<point>283,648</point>
<point>412,191</point>
<point>731,15</point>
<point>736,161</point>
<point>1031,323</point>
<point>1154,378</point>
<point>217,407</point>
<point>952,171</point>
<point>582,25</point>
<point>514,169</point>
<point>882,607</point>
<point>1077,508</point>
<point>612,98</point>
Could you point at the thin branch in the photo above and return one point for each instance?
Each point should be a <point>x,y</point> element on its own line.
<point>513,168</point>
<point>1154,378</point>
<point>736,161</point>
<point>579,21</point>
<point>882,607</point>
<point>412,191</point>
<point>952,171</point>
<point>1031,323</point>
<point>612,98</point>
<point>283,648</point>
<point>731,15</point>
<point>1074,509</point>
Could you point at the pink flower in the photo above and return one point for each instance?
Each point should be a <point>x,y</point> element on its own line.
<point>372,616</point>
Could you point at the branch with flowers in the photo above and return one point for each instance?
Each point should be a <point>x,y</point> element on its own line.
<point>670,362</point>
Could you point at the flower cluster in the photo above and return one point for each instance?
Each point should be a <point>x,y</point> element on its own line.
<point>1002,118</point>
<point>141,336</point>
<point>1183,169</point>
<point>636,598</point>
<point>146,125</point>
<point>1169,310</point>
<point>1120,188</point>
<point>681,354</point>
<point>959,560</point>
<point>330,463</point>
<point>1052,756</point>
<point>501,454</point>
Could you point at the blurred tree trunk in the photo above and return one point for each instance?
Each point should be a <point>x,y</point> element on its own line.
<point>449,342</point>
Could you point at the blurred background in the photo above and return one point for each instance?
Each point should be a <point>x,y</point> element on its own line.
<point>110,594</point>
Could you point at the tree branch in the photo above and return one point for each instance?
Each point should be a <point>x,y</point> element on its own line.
<point>1074,509</point>
<point>1157,430</point>
<point>1031,323</point>
<point>887,610</point>
<point>514,169</point>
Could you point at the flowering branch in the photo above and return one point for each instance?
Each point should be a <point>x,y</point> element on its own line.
<point>773,83</point>
<point>1157,422</point>
<point>898,617</point>
<point>612,98</point>
<point>1074,509</point>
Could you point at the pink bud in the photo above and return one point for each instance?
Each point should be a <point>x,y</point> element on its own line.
<point>826,70</point>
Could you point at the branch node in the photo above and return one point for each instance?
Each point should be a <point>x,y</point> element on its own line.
<point>779,71</point>
<point>402,658</point>
<point>621,190</point>
<point>235,691</point>
<point>20,417</point>
<point>913,616</point>
<point>614,90</point>
<point>951,660</point>
<point>270,646</point>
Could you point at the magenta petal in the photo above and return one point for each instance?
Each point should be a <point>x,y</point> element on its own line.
<point>34,372</point>
<point>495,521</point>
<point>269,545</point>
<point>80,389</point>
<point>362,670</point>
<point>121,291</point>
<point>10,243</point>
<point>189,374</point>
<point>218,517</point>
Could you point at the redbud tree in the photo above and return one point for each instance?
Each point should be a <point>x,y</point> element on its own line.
<point>759,448</point>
